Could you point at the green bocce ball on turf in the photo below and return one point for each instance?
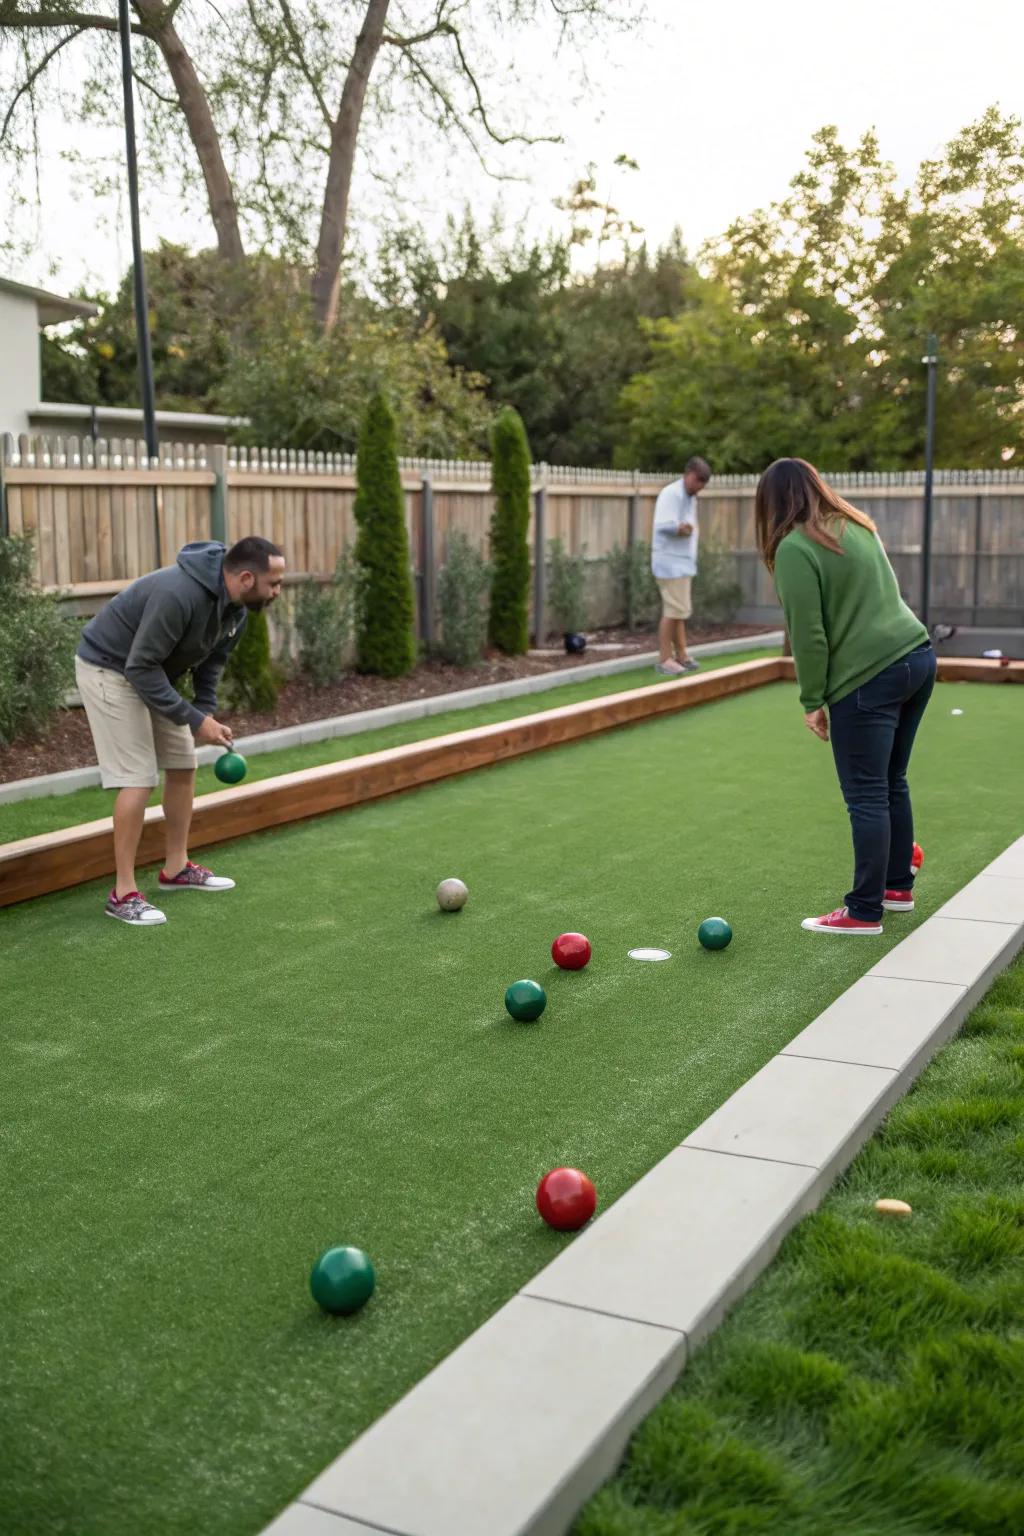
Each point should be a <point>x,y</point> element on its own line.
<point>526,1001</point>
<point>342,1280</point>
<point>714,933</point>
<point>230,768</point>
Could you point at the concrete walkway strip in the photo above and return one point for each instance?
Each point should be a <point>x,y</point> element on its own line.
<point>523,1422</point>
<point>393,714</point>
<point>513,1431</point>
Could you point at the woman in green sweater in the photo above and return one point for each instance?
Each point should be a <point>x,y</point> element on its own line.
<point>860,650</point>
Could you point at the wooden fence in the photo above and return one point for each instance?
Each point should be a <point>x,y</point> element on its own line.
<point>102,514</point>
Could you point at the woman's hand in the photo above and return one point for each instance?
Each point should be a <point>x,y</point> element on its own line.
<point>816,721</point>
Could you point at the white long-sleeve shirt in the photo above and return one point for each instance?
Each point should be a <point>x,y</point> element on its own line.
<point>671,554</point>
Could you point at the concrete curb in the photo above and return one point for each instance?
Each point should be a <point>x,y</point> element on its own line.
<point>524,1421</point>
<point>392,714</point>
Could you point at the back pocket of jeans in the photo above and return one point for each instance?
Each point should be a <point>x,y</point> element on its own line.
<point>890,687</point>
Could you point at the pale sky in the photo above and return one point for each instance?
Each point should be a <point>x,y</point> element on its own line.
<point>716,101</point>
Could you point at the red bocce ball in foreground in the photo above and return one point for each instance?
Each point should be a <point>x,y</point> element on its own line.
<point>571,951</point>
<point>917,857</point>
<point>566,1199</point>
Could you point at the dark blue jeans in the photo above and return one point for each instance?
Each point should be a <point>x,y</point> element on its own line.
<point>873,732</point>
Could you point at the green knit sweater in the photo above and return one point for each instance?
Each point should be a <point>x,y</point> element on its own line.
<point>844,613</point>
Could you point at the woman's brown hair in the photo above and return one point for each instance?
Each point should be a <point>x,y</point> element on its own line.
<point>791,494</point>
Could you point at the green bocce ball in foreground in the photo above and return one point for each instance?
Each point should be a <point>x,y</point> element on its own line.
<point>230,768</point>
<point>714,933</point>
<point>526,1001</point>
<point>342,1280</point>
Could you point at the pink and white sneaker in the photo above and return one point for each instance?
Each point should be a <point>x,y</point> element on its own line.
<point>840,921</point>
<point>898,901</point>
<point>195,877</point>
<point>134,909</point>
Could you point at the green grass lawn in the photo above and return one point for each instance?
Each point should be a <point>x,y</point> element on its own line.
<point>191,1114</point>
<point>28,818</point>
<point>872,1383</point>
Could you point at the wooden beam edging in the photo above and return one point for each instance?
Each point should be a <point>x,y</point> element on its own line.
<point>54,861</point>
<point>952,669</point>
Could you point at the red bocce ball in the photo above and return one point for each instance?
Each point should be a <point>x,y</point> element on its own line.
<point>566,1199</point>
<point>571,951</point>
<point>917,857</point>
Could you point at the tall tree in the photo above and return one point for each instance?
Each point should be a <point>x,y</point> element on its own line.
<point>807,335</point>
<point>262,91</point>
<point>556,344</point>
<point>40,34</point>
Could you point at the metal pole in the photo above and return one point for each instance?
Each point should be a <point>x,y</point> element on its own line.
<point>6,454</point>
<point>540,624</point>
<point>930,360</point>
<point>143,349</point>
<point>428,582</point>
<point>632,518</point>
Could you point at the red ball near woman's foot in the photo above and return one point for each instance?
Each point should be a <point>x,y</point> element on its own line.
<point>571,951</point>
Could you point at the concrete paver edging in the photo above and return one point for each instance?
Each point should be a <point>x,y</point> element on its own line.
<point>392,714</point>
<point>512,1433</point>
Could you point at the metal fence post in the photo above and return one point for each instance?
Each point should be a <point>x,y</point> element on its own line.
<point>930,361</point>
<point>6,454</point>
<point>428,584</point>
<point>632,518</point>
<point>976,603</point>
<point>540,507</point>
<point>219,494</point>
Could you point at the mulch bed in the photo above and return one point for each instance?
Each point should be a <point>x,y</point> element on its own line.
<point>69,745</point>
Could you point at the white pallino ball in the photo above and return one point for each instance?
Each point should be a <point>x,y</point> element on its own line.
<point>452,895</point>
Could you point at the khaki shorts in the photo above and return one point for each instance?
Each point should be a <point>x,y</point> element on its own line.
<point>675,597</point>
<point>132,743</point>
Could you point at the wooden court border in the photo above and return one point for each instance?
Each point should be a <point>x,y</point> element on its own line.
<point>55,861</point>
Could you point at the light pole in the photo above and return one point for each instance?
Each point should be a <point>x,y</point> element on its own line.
<point>930,360</point>
<point>142,344</point>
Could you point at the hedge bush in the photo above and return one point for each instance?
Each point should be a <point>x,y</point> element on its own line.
<point>324,622</point>
<point>637,590</point>
<point>37,647</point>
<point>716,593</point>
<point>567,598</point>
<point>251,679</point>
<point>463,585</point>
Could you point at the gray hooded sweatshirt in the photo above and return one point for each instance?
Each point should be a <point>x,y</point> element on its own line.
<point>175,620</point>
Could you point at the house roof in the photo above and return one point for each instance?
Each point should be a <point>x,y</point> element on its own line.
<point>52,308</point>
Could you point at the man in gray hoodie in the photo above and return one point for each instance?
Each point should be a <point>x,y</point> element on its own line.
<point>186,617</point>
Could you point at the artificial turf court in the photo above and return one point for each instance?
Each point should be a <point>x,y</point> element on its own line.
<point>322,1057</point>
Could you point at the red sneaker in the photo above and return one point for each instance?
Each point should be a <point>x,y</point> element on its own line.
<point>899,901</point>
<point>840,921</point>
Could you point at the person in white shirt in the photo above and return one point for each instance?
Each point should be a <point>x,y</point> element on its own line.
<point>674,539</point>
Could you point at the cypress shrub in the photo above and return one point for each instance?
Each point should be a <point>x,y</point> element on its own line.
<point>510,554</point>
<point>385,641</point>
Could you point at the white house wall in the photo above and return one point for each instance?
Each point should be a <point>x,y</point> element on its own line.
<point>20,380</point>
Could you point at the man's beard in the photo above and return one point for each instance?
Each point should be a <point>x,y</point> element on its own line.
<point>257,604</point>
